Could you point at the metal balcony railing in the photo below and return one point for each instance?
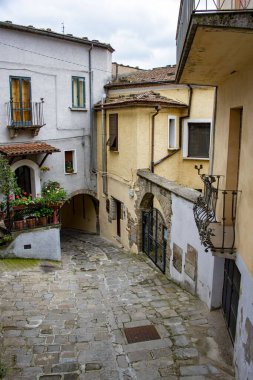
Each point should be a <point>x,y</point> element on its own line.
<point>189,7</point>
<point>25,114</point>
<point>215,215</point>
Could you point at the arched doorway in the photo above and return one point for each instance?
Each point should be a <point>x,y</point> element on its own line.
<point>80,212</point>
<point>154,231</point>
<point>23,175</point>
<point>28,176</point>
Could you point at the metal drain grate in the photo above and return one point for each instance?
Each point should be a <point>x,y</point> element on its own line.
<point>141,334</point>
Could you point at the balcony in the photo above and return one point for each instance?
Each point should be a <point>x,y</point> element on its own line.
<point>24,116</point>
<point>215,216</point>
<point>213,39</point>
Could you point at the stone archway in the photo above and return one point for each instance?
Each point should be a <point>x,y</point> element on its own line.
<point>81,212</point>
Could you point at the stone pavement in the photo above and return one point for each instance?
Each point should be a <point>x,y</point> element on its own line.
<point>65,321</point>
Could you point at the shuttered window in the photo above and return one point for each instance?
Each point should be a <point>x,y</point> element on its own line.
<point>199,140</point>
<point>78,92</point>
<point>113,132</point>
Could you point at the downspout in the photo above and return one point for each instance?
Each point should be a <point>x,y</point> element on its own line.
<point>190,91</point>
<point>104,155</point>
<point>213,131</point>
<point>152,164</point>
<point>91,113</point>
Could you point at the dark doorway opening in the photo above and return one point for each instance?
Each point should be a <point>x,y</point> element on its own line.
<point>230,295</point>
<point>23,175</point>
<point>118,215</point>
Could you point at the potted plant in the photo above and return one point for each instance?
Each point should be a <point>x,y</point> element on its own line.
<point>31,221</point>
<point>69,167</point>
<point>43,214</point>
<point>19,222</point>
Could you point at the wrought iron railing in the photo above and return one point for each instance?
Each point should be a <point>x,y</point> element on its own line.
<point>188,7</point>
<point>215,215</point>
<point>25,114</point>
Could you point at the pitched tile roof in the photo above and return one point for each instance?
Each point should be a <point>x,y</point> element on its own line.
<point>13,150</point>
<point>50,33</point>
<point>156,75</point>
<point>148,98</point>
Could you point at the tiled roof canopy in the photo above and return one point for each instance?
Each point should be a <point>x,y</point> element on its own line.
<point>22,149</point>
<point>145,99</point>
<point>156,75</point>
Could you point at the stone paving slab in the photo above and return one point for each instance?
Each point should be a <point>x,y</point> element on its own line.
<point>67,322</point>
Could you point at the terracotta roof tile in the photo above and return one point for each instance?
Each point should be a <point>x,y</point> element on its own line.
<point>13,150</point>
<point>156,75</point>
<point>148,98</point>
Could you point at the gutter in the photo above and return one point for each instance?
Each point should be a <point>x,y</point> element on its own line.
<point>152,164</point>
<point>104,155</point>
<point>92,164</point>
<point>190,91</point>
<point>213,131</point>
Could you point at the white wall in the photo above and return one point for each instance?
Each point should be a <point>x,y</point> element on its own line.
<point>243,348</point>
<point>183,232</point>
<point>51,63</point>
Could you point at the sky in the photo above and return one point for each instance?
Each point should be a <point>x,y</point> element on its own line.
<point>142,32</point>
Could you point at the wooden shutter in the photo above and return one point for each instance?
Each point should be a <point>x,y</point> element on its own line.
<point>113,131</point>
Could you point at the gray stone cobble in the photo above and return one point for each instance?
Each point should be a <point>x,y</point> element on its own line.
<point>68,324</point>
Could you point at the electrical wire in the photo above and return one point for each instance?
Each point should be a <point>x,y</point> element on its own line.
<point>55,58</point>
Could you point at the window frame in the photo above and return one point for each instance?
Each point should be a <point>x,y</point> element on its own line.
<point>186,138</point>
<point>111,139</point>
<point>74,160</point>
<point>21,108</point>
<point>175,143</point>
<point>73,78</point>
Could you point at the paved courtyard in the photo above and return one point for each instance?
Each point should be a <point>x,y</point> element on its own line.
<point>65,321</point>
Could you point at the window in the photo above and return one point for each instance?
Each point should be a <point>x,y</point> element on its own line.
<point>78,92</point>
<point>70,161</point>
<point>196,139</point>
<point>113,132</point>
<point>172,133</point>
<point>21,106</point>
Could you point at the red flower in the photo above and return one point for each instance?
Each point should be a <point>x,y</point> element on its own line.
<point>17,196</point>
<point>10,197</point>
<point>30,195</point>
<point>25,193</point>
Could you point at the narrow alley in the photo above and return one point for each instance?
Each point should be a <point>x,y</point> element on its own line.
<point>103,313</point>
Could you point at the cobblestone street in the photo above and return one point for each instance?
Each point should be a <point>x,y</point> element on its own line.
<point>65,321</point>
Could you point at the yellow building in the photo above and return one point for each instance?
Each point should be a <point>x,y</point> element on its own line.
<point>149,122</point>
<point>215,48</point>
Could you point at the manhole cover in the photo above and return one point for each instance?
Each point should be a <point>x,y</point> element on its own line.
<point>141,334</point>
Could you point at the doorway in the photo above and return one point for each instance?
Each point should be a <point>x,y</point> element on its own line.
<point>23,175</point>
<point>21,107</point>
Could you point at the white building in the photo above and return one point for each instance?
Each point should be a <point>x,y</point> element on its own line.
<point>49,83</point>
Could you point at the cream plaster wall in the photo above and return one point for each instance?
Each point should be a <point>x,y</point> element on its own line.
<point>235,93</point>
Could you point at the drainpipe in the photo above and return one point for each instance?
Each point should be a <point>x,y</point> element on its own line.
<point>213,131</point>
<point>190,91</point>
<point>91,112</point>
<point>104,156</point>
<point>152,164</point>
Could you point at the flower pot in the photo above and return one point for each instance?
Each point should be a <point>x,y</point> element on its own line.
<point>31,222</point>
<point>19,224</point>
<point>42,220</point>
<point>18,207</point>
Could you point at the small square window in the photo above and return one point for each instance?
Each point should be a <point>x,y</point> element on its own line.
<point>70,161</point>
<point>78,92</point>
<point>196,138</point>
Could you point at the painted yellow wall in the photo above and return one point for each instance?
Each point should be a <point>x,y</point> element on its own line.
<point>237,92</point>
<point>79,213</point>
<point>134,152</point>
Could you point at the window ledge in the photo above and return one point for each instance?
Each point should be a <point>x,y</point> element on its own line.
<point>78,109</point>
<point>70,173</point>
<point>177,148</point>
<point>196,158</point>
<point>113,151</point>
